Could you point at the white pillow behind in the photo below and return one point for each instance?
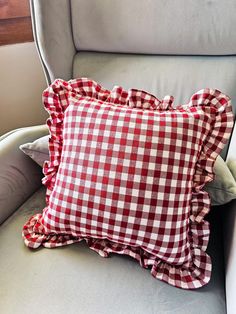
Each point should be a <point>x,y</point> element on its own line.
<point>37,150</point>
<point>223,188</point>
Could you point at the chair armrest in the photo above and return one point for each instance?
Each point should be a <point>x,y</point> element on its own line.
<point>57,61</point>
<point>19,175</point>
<point>229,234</point>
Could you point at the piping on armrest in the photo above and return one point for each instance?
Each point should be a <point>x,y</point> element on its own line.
<point>19,175</point>
<point>229,238</point>
<point>231,154</point>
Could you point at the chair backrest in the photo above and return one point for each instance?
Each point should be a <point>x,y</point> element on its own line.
<point>163,46</point>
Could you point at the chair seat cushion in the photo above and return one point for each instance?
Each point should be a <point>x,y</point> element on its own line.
<point>74,279</point>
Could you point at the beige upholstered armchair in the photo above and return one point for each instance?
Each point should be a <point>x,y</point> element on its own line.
<point>164,47</point>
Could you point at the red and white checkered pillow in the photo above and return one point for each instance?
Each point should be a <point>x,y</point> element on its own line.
<point>126,174</point>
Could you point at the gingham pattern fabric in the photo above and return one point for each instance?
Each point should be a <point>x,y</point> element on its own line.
<point>126,174</point>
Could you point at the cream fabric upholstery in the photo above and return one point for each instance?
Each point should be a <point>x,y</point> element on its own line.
<point>54,39</point>
<point>19,176</point>
<point>155,26</point>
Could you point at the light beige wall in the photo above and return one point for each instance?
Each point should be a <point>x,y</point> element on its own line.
<point>21,85</point>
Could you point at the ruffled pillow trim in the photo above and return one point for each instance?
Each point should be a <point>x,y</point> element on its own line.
<point>197,271</point>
